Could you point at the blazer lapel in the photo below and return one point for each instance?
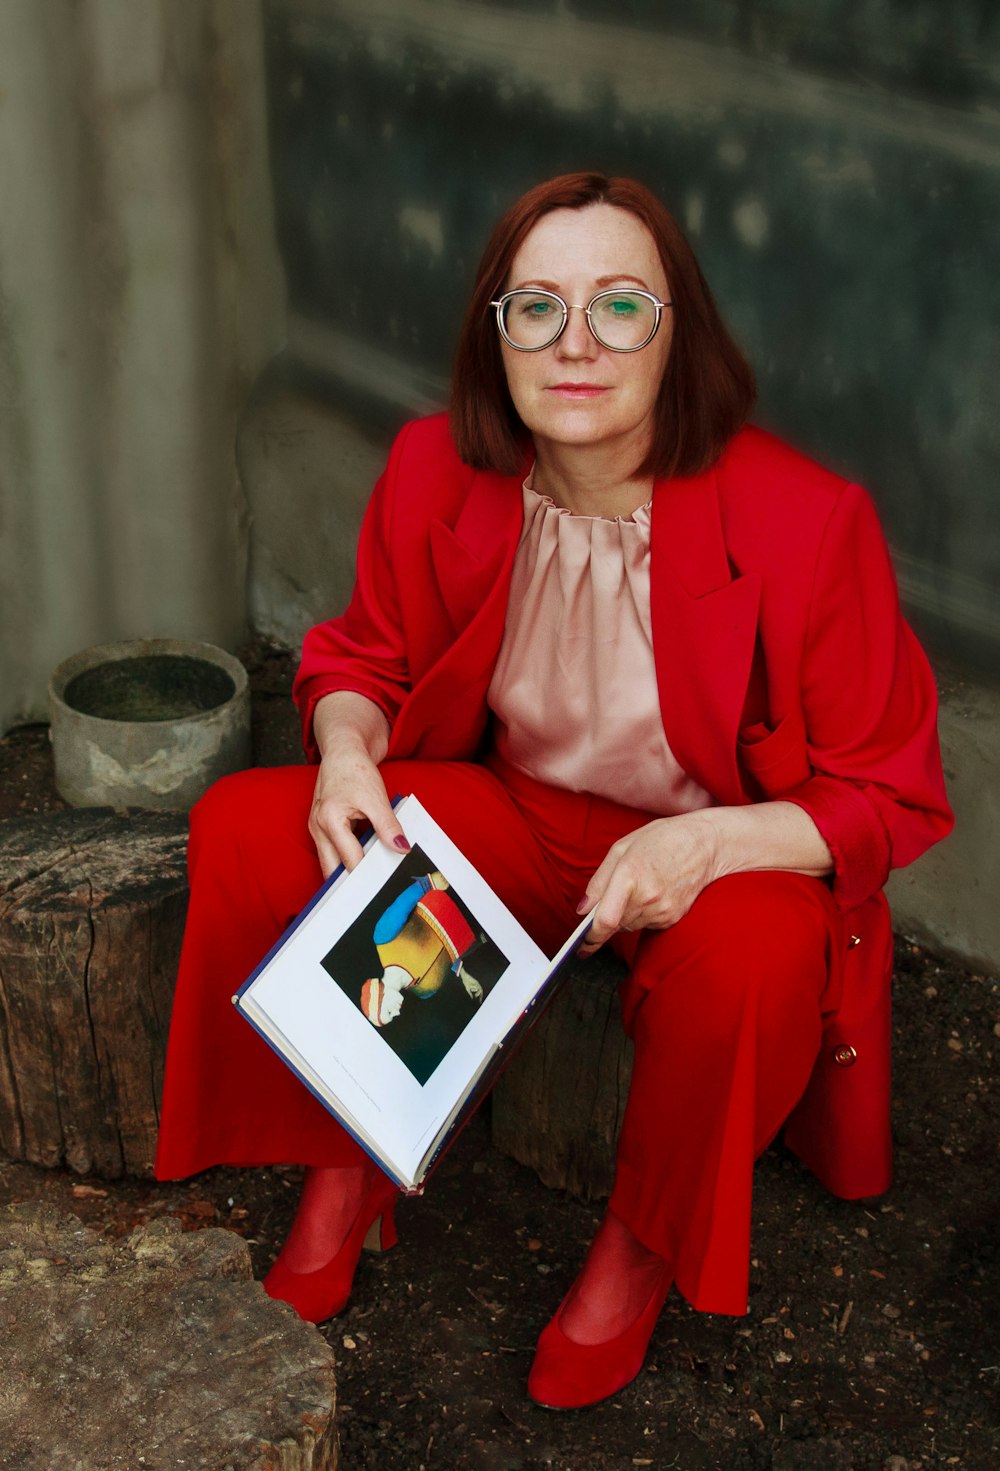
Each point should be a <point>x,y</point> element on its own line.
<point>472,563</point>
<point>468,556</point>
<point>704,623</point>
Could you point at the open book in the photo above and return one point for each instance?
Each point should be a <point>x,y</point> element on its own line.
<point>398,991</point>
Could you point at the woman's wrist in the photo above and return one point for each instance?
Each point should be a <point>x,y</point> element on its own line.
<point>764,835</point>
<point>346,723</point>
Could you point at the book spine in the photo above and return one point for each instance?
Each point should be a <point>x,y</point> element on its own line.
<point>384,1165</point>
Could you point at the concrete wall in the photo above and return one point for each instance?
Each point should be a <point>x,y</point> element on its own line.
<point>836,165</point>
<point>309,466</point>
<point>838,168</point>
<point>140,295</point>
<point>949,898</point>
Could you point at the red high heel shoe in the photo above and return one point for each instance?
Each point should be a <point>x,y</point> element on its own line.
<point>323,1293</point>
<point>567,1375</point>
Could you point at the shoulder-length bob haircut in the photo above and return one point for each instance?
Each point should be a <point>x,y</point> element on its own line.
<point>708,388</point>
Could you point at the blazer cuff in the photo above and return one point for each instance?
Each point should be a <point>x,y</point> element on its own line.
<point>850,824</point>
<point>311,691</point>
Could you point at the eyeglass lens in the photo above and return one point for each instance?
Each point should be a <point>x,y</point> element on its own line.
<point>619,319</point>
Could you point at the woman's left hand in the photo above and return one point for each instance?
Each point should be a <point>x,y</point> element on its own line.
<point>651,877</point>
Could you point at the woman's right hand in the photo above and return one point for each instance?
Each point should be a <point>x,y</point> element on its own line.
<point>353,736</point>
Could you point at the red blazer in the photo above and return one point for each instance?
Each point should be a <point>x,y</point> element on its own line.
<point>784,670</point>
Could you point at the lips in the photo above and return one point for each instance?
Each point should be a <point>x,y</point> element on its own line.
<point>577,390</point>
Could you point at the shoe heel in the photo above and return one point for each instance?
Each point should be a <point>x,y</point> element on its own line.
<point>381,1234</point>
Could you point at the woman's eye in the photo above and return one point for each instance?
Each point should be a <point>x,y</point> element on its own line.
<point>536,308</point>
<point>621,306</point>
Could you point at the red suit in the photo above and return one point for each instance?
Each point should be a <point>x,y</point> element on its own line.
<point>784,671</point>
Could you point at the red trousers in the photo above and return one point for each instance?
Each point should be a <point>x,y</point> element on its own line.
<point>725,1008</point>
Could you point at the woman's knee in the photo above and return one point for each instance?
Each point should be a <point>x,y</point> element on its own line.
<point>760,938</point>
<point>773,924</point>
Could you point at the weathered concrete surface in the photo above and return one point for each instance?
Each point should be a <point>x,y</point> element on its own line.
<point>308,470</point>
<point>140,296</point>
<point>836,167</point>
<point>152,1354</point>
<point>950,898</point>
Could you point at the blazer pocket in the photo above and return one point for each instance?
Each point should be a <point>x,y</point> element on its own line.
<point>775,760</point>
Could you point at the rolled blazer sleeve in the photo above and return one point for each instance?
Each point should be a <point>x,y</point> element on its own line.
<point>870,705</point>
<point>364,650</point>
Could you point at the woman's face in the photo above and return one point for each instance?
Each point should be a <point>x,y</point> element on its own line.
<point>577,392</point>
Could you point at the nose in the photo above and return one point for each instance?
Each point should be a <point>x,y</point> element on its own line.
<point>577,340</point>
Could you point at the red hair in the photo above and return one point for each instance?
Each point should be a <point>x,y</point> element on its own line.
<point>708,388</point>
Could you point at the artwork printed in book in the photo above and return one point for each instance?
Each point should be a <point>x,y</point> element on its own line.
<point>417,963</point>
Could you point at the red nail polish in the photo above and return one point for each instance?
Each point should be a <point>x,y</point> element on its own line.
<point>401,843</point>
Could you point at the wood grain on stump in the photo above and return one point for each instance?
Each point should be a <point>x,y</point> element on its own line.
<point>92,909</point>
<point>153,1353</point>
<point>558,1107</point>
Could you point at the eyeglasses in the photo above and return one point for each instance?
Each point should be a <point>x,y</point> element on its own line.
<point>623,321</point>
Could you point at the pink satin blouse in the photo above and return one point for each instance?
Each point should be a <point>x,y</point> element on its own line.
<point>574,691</point>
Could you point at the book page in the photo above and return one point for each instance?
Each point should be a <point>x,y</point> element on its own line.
<point>397,985</point>
<point>505,996</point>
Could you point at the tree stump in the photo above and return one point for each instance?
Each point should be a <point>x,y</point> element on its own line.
<point>558,1107</point>
<point>153,1353</point>
<point>92,909</point>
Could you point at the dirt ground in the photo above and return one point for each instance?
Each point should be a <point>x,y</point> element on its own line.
<point>872,1341</point>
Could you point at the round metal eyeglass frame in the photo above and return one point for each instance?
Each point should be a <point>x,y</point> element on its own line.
<point>501,303</point>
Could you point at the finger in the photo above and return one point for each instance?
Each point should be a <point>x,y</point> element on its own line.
<point>588,904</point>
<point>383,819</point>
<point>370,808</point>
<point>331,830</point>
<point>600,931</point>
<point>329,858</point>
<point>615,908</point>
<point>336,846</point>
<point>348,850</point>
<point>594,902</point>
<point>602,876</point>
<point>609,923</point>
<point>334,831</point>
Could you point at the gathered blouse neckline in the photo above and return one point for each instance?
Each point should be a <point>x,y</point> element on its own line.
<point>574,691</point>
<point>639,517</point>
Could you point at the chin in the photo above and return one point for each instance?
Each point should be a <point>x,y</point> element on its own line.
<point>578,424</point>
<point>583,435</point>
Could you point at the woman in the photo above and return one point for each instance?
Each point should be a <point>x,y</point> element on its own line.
<point>638,659</point>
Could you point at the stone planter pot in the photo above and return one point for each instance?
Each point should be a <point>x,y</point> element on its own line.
<point>147,723</point>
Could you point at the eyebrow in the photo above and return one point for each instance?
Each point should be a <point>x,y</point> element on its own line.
<point>600,282</point>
